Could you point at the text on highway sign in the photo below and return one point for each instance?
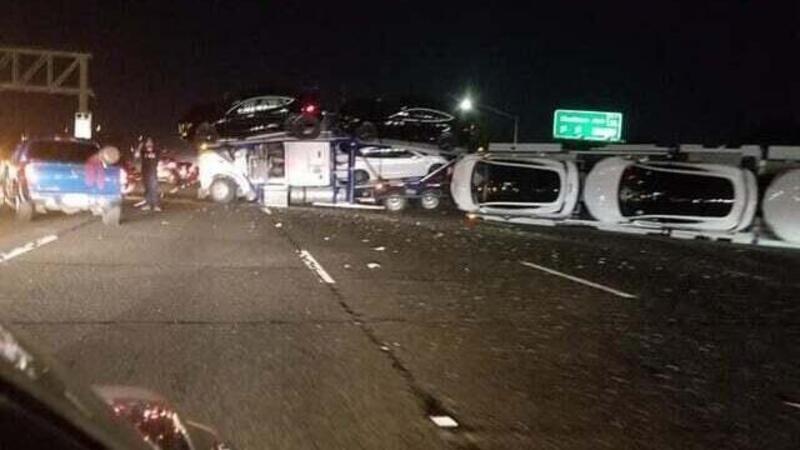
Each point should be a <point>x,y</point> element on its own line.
<point>587,125</point>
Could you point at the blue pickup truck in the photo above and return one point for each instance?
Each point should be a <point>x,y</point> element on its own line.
<point>62,174</point>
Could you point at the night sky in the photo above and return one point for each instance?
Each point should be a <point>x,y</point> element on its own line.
<point>698,71</point>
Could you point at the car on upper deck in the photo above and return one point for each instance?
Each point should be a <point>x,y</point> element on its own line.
<point>63,174</point>
<point>406,119</point>
<point>299,114</point>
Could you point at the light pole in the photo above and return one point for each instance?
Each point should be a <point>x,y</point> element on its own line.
<point>467,105</point>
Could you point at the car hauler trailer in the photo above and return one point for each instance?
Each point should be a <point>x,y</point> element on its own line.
<point>280,171</point>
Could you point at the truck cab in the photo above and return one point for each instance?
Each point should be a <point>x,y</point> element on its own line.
<point>62,174</point>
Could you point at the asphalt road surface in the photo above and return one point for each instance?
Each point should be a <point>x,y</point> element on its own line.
<point>314,328</point>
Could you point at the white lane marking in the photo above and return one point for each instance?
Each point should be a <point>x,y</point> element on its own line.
<point>27,247</point>
<point>444,421</point>
<point>348,205</point>
<point>792,404</point>
<point>267,211</point>
<point>578,280</point>
<point>316,267</point>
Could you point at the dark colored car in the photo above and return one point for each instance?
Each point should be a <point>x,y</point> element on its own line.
<point>43,408</point>
<point>299,115</point>
<point>415,120</point>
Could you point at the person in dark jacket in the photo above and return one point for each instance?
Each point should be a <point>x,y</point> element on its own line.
<point>150,155</point>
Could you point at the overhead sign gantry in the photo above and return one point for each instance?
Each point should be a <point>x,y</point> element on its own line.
<point>49,72</point>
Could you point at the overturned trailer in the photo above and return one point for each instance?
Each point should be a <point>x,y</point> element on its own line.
<point>748,194</point>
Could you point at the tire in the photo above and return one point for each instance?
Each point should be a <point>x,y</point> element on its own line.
<point>367,131</point>
<point>395,203</point>
<point>112,215</point>
<point>206,132</point>
<point>305,127</point>
<point>25,210</point>
<point>446,141</point>
<point>223,190</point>
<point>360,177</point>
<point>433,168</point>
<point>429,200</point>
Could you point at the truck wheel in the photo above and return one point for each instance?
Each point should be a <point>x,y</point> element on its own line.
<point>429,200</point>
<point>222,190</point>
<point>112,215</point>
<point>305,127</point>
<point>434,168</point>
<point>367,131</point>
<point>395,203</point>
<point>25,210</point>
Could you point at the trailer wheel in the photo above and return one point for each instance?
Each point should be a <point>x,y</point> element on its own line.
<point>112,215</point>
<point>305,127</point>
<point>429,200</point>
<point>395,203</point>
<point>222,190</point>
<point>367,131</point>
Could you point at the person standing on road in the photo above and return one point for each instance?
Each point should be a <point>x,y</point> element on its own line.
<point>150,155</point>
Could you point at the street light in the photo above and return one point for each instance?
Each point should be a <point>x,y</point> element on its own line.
<point>466,105</point>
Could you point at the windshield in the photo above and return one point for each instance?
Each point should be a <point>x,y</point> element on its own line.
<point>645,191</point>
<point>55,151</point>
<point>504,183</point>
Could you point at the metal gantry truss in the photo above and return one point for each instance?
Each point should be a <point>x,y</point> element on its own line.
<point>46,71</point>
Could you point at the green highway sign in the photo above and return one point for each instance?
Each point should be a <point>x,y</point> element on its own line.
<point>587,125</point>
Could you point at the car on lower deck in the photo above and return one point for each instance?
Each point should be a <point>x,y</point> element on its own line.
<point>515,186</point>
<point>63,174</point>
<point>376,162</point>
<point>671,195</point>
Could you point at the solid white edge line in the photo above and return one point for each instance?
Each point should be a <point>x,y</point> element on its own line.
<point>21,250</point>
<point>316,267</point>
<point>578,280</point>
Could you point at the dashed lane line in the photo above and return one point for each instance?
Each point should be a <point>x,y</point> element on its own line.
<point>592,284</point>
<point>33,245</point>
<point>310,262</point>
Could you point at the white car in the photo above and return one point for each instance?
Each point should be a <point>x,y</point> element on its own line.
<point>515,185</point>
<point>688,196</point>
<point>781,206</point>
<point>390,163</point>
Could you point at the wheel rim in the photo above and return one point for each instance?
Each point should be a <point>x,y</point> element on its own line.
<point>430,201</point>
<point>394,203</point>
<point>220,191</point>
